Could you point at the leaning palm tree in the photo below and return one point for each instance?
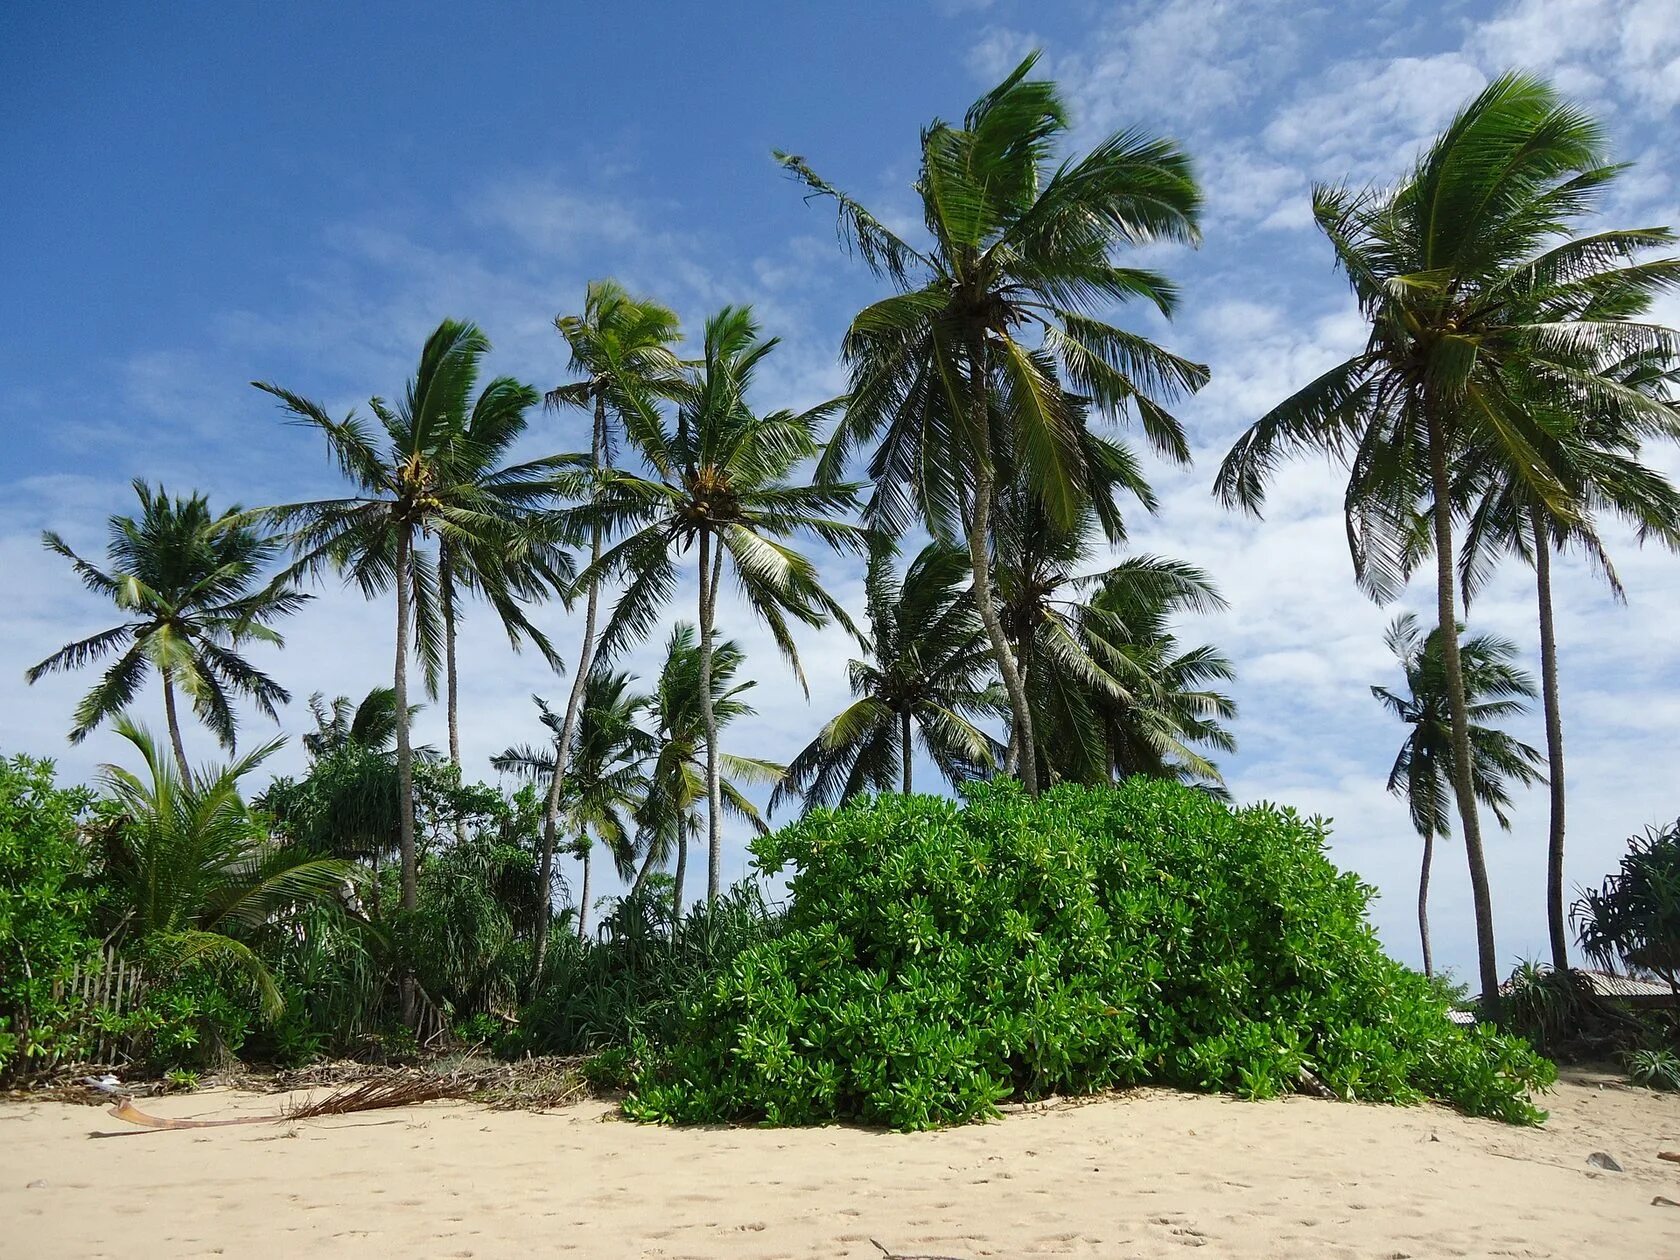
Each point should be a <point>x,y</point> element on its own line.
<point>676,783</point>
<point>606,784</point>
<point>1471,283</point>
<point>404,492</point>
<point>1597,462</point>
<point>930,669</point>
<point>942,378</point>
<point>185,580</point>
<point>192,872</point>
<point>721,486</point>
<point>622,347</point>
<point>1495,688</point>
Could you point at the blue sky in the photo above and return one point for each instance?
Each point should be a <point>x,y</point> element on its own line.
<point>202,195</point>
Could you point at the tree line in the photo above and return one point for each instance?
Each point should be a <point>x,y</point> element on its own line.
<point>1510,379</point>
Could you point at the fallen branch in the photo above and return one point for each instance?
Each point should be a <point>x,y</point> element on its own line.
<point>404,1091</point>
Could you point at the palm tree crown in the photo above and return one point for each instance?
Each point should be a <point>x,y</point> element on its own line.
<point>929,670</point>
<point>186,579</point>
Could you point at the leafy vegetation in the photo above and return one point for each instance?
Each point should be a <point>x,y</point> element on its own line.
<point>937,959</point>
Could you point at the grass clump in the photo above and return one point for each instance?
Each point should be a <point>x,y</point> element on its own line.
<point>938,958</point>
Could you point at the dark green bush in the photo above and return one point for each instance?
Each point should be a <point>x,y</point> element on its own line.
<point>938,959</point>
<point>47,905</point>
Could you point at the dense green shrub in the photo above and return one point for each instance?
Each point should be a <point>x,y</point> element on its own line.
<point>47,908</point>
<point>938,959</point>
<point>1634,919</point>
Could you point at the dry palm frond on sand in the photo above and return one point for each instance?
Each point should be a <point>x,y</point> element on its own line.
<point>402,1091</point>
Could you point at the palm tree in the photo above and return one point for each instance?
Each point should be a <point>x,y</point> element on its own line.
<point>1158,726</point>
<point>721,486</point>
<point>1597,463</point>
<point>192,871</point>
<point>1015,244</point>
<point>930,669</point>
<point>1480,305</point>
<point>185,579</point>
<point>511,550</point>
<point>606,784</point>
<point>1495,689</point>
<point>622,347</point>
<point>410,489</point>
<point>1107,687</point>
<point>677,777</point>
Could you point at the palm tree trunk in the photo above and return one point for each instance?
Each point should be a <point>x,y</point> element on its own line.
<point>175,728</point>
<point>580,680</point>
<point>979,560</point>
<point>583,891</point>
<point>904,740</point>
<point>1423,902</point>
<point>405,758</point>
<point>405,750</point>
<point>446,605</point>
<point>678,877</point>
<point>644,870</point>
<point>1486,954</point>
<point>714,793</point>
<point>1554,744</point>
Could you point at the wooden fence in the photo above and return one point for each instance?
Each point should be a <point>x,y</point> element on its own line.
<point>111,984</point>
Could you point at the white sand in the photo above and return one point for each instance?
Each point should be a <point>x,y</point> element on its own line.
<point>1148,1174</point>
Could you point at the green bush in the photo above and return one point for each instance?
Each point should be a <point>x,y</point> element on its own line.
<point>47,906</point>
<point>938,959</point>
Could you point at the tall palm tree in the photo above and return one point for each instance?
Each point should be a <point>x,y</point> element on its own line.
<point>188,581</point>
<point>622,348</point>
<point>405,492</point>
<point>1495,689</point>
<point>941,374</point>
<point>1107,687</point>
<point>676,781</point>
<point>1480,303</point>
<point>513,550</point>
<point>1597,462</point>
<point>192,872</point>
<point>606,784</point>
<point>930,669</point>
<point>721,485</point>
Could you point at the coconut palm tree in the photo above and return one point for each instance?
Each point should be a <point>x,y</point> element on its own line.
<point>622,347</point>
<point>606,784</point>
<point>1597,462</point>
<point>721,486</point>
<point>192,872</point>
<point>1471,282</point>
<point>1495,688</point>
<point>188,583</point>
<point>405,492</point>
<point>967,370</point>
<point>930,669</point>
<point>1158,725</point>
<point>514,550</point>
<point>1109,691</point>
<point>676,783</point>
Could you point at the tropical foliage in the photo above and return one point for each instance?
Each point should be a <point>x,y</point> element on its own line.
<point>1097,913</point>
<point>1144,933</point>
<point>1495,688</point>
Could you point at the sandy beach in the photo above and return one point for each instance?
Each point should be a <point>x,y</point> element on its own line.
<point>1147,1174</point>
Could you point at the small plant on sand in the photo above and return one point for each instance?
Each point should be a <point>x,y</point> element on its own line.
<point>1654,1069</point>
<point>938,958</point>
